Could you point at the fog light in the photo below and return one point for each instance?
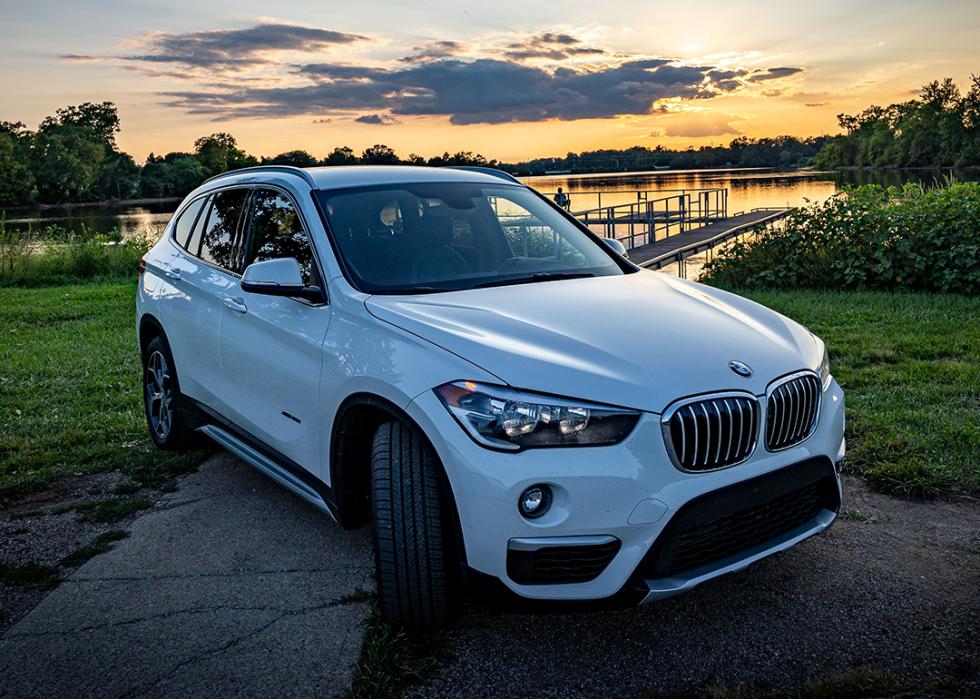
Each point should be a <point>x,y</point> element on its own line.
<point>534,501</point>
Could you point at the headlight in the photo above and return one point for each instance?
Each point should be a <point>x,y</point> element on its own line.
<point>502,418</point>
<point>824,370</point>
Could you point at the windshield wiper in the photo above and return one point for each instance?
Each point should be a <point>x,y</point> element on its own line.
<point>539,277</point>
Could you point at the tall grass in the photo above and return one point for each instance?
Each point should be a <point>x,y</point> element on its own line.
<point>41,258</point>
<point>867,237</point>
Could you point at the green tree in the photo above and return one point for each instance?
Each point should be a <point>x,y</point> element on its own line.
<point>66,161</point>
<point>101,120</point>
<point>341,155</point>
<point>219,153</point>
<point>16,178</point>
<point>296,158</point>
<point>379,154</point>
<point>172,175</point>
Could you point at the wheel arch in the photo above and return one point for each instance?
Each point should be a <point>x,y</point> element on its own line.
<point>149,328</point>
<point>356,421</point>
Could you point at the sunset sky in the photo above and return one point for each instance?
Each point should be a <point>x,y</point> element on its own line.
<point>511,80</point>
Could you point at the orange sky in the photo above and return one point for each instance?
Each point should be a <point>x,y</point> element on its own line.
<point>512,80</point>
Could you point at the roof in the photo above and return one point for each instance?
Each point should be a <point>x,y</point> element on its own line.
<point>339,176</point>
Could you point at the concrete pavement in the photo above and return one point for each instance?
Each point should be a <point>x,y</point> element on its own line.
<point>233,586</point>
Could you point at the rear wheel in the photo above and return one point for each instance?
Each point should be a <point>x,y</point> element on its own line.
<point>413,540</point>
<point>161,391</point>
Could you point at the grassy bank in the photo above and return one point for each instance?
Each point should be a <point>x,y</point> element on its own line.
<point>70,398</point>
<point>910,364</point>
<point>52,256</point>
<point>70,395</point>
<point>909,238</point>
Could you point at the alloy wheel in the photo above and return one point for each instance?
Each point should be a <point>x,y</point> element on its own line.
<point>159,395</point>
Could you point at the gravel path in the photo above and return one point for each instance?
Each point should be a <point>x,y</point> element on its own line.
<point>894,587</point>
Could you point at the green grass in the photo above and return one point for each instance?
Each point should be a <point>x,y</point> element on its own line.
<point>910,367</point>
<point>39,259</point>
<point>106,511</point>
<point>392,660</point>
<point>70,396</point>
<point>101,544</point>
<point>30,575</point>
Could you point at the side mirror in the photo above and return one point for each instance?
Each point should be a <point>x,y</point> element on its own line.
<point>617,247</point>
<point>279,277</point>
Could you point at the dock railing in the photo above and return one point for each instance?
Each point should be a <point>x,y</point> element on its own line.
<point>652,218</point>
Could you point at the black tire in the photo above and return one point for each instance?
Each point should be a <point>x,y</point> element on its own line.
<point>413,543</point>
<point>176,434</point>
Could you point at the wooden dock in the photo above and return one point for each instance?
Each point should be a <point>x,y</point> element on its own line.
<point>677,247</point>
<point>662,228</point>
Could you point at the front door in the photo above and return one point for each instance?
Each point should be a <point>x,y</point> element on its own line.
<point>271,345</point>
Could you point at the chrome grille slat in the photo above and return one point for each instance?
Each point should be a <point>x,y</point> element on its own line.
<point>731,430</point>
<point>707,434</point>
<point>721,431</point>
<point>694,420</point>
<point>711,432</point>
<point>792,406</point>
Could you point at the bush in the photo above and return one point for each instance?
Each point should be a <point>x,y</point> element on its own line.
<point>866,237</point>
<point>39,260</point>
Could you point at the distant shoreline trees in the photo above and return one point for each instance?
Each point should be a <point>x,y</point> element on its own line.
<point>73,157</point>
<point>941,128</point>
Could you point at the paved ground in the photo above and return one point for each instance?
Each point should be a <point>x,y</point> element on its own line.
<point>233,587</point>
<point>898,594</point>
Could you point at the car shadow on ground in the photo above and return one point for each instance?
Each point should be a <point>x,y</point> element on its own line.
<point>891,588</point>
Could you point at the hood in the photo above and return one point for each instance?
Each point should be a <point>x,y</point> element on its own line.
<point>639,340</point>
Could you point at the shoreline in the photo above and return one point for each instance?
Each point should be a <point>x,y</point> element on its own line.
<point>105,204</point>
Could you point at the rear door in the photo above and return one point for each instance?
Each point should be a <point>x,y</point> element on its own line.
<point>271,345</point>
<point>203,277</point>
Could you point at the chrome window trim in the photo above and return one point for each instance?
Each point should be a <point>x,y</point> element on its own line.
<point>681,403</point>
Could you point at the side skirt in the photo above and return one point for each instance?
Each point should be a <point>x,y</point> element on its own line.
<point>266,460</point>
<point>265,465</point>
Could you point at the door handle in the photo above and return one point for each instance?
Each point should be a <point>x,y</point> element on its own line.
<point>237,305</point>
<point>171,272</point>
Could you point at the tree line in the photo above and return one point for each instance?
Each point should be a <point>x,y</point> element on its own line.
<point>939,128</point>
<point>779,151</point>
<point>73,155</point>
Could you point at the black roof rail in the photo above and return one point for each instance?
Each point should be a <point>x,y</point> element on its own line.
<point>290,169</point>
<point>492,171</point>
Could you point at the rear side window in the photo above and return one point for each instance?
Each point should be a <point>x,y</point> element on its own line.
<point>277,231</point>
<point>184,225</point>
<point>222,237</point>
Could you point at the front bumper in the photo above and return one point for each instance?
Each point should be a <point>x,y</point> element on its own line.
<point>629,491</point>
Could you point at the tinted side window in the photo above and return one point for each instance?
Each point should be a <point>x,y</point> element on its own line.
<point>193,245</point>
<point>278,232</point>
<point>182,229</point>
<point>223,238</point>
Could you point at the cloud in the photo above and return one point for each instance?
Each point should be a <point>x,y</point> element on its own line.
<point>815,104</point>
<point>698,125</point>
<point>435,49</point>
<point>381,119</point>
<point>549,45</point>
<point>773,73</point>
<point>468,92</point>
<point>259,72</point>
<point>230,48</point>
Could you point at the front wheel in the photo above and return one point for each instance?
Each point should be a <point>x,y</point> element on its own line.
<point>412,537</point>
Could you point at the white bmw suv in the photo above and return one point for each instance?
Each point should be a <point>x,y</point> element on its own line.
<point>448,355</point>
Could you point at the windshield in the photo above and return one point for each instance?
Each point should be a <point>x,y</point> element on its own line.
<point>424,238</point>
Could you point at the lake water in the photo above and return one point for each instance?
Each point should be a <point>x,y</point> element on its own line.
<point>747,189</point>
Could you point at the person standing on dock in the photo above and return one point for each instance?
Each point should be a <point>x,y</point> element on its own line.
<point>562,199</point>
